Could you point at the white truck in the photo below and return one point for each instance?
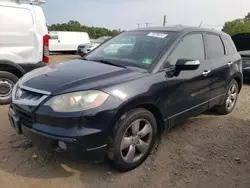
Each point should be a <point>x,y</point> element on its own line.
<point>24,42</point>
<point>66,41</point>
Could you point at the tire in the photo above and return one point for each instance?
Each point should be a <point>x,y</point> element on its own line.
<point>231,94</point>
<point>139,143</point>
<point>6,80</point>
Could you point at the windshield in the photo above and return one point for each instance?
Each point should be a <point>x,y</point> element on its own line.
<point>137,49</point>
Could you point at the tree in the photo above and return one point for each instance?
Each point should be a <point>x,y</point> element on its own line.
<point>237,26</point>
<point>247,18</point>
<point>94,32</point>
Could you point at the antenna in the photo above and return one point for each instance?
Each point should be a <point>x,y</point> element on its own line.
<point>201,24</point>
<point>147,24</point>
<point>164,20</point>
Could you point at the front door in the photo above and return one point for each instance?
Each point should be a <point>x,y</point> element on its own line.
<point>188,92</point>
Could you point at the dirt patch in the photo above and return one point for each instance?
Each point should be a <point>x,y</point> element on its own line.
<point>205,151</point>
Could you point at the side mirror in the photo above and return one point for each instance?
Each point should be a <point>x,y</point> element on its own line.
<point>186,64</point>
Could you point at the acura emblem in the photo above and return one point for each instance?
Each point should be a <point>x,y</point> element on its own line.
<point>19,93</point>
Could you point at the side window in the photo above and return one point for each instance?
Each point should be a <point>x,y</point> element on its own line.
<point>190,47</point>
<point>215,47</point>
<point>229,45</point>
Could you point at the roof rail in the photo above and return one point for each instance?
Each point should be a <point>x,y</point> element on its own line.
<point>37,2</point>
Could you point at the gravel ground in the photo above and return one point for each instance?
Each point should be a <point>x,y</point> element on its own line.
<point>205,151</point>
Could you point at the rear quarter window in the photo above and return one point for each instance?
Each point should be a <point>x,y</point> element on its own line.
<point>15,19</point>
<point>214,46</point>
<point>229,45</point>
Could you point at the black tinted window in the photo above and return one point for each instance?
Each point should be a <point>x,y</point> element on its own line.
<point>53,37</point>
<point>215,47</point>
<point>229,45</point>
<point>190,47</point>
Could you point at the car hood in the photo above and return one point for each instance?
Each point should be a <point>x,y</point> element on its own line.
<point>242,41</point>
<point>77,75</point>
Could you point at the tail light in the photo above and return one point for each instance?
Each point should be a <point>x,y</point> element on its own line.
<point>46,48</point>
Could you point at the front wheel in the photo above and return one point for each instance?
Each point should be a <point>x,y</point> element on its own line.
<point>230,99</point>
<point>133,139</point>
<point>7,82</point>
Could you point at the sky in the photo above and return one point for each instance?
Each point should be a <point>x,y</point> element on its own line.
<point>125,14</point>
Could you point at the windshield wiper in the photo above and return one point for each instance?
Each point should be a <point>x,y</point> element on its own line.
<point>108,63</point>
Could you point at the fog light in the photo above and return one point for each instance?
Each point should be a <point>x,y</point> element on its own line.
<point>62,145</point>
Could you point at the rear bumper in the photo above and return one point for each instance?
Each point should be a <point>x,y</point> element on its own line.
<point>27,67</point>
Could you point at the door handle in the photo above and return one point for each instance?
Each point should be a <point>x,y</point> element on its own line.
<point>205,73</point>
<point>230,63</point>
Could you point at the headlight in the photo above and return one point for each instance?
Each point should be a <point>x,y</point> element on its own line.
<point>77,101</point>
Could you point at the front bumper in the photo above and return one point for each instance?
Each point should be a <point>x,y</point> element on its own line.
<point>74,148</point>
<point>84,51</point>
<point>81,143</point>
<point>80,52</point>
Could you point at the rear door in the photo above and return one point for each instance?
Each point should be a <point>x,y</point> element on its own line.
<point>189,92</point>
<point>221,63</point>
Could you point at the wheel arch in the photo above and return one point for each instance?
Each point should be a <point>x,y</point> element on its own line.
<point>239,80</point>
<point>139,103</point>
<point>11,67</point>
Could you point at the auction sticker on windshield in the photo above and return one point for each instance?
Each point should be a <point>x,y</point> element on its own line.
<point>158,35</point>
<point>147,60</point>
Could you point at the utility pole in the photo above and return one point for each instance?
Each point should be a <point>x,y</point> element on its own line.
<point>138,25</point>
<point>147,24</point>
<point>164,20</point>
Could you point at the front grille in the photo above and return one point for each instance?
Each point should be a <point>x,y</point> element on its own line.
<point>29,97</point>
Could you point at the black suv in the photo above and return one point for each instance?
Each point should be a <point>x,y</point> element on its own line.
<point>115,101</point>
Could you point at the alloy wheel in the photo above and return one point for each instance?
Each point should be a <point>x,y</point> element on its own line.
<point>136,140</point>
<point>231,97</point>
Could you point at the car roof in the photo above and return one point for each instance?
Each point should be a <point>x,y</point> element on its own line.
<point>180,29</point>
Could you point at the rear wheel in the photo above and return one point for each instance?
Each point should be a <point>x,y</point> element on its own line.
<point>133,139</point>
<point>230,99</point>
<point>7,82</point>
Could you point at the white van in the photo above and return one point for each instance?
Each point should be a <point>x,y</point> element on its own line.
<point>61,41</point>
<point>23,42</point>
